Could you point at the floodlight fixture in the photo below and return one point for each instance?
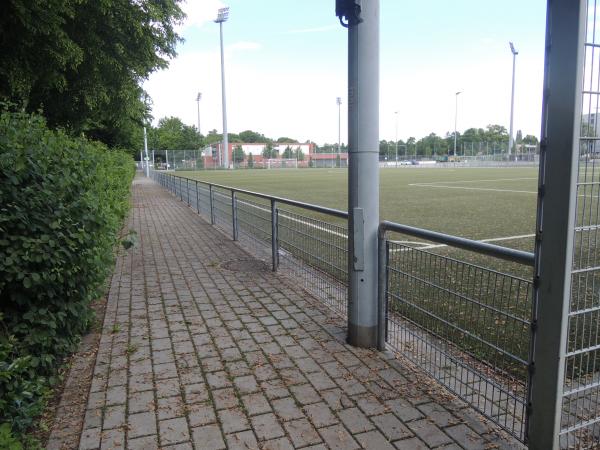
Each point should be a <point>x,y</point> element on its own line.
<point>512,49</point>
<point>199,96</point>
<point>222,15</point>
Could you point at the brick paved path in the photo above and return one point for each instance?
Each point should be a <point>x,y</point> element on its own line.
<point>194,356</point>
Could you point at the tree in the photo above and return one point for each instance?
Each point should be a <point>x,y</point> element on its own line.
<point>81,61</point>
<point>250,136</point>
<point>285,140</point>
<point>250,161</point>
<point>238,154</point>
<point>269,152</point>
<point>530,140</point>
<point>299,154</point>
<point>173,134</point>
<point>287,153</point>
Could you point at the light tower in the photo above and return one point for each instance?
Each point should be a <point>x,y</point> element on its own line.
<point>222,16</point>
<point>396,115</point>
<point>338,101</point>
<point>198,97</point>
<point>455,117</point>
<point>512,99</point>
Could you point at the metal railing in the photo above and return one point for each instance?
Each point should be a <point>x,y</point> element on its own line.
<point>468,324</point>
<point>312,248</point>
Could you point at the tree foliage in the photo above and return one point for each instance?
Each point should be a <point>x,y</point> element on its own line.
<point>81,62</point>
<point>172,134</point>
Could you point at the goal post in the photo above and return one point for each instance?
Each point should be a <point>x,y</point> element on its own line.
<point>281,163</point>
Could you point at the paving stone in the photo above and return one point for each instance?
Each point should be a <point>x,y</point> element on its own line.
<point>338,438</point>
<point>320,415</point>
<point>404,410</point>
<point>208,437</point>
<point>170,407</point>
<point>355,420</point>
<point>173,431</point>
<point>286,409</point>
<point>225,398</point>
<point>246,384</point>
<point>201,414</point>
<point>256,404</point>
<point>141,402</point>
<point>92,419</point>
<point>302,433</point>
<point>143,443</point>
<point>391,427</point>
<point>413,444</point>
<point>278,444</point>
<point>114,417</point>
<point>373,440</point>
<point>266,426</point>
<point>141,424</point>
<point>182,446</point>
<point>305,394</point>
<point>90,439</point>
<point>218,380</point>
<point>242,441</point>
<point>465,436</point>
<point>116,395</point>
<point>233,420</point>
<point>113,440</point>
<point>429,433</point>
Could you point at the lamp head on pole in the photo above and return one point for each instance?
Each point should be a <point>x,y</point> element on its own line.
<point>338,100</point>
<point>199,96</point>
<point>459,92</point>
<point>512,49</point>
<point>222,15</point>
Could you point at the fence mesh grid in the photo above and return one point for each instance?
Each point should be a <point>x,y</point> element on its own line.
<point>580,423</point>
<point>469,326</point>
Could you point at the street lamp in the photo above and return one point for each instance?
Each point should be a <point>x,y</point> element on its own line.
<point>339,103</point>
<point>198,97</point>
<point>512,99</point>
<point>455,117</point>
<point>222,16</point>
<point>396,114</point>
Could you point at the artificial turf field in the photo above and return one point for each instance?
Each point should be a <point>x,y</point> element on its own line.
<point>477,203</point>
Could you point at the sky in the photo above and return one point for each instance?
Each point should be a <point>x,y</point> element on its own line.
<point>286,62</point>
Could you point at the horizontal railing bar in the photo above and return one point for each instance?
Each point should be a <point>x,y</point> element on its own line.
<point>586,387</point>
<point>509,254</point>
<point>287,201</point>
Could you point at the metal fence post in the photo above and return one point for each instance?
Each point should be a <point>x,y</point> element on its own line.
<point>234,221</point>
<point>187,190</point>
<point>274,239</point>
<point>381,289</point>
<point>210,195</point>
<point>180,189</point>
<point>559,153</point>
<point>197,199</point>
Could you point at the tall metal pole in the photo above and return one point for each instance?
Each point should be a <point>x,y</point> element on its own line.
<point>455,117</point>
<point>512,101</point>
<point>222,17</point>
<point>363,170</point>
<point>339,103</point>
<point>146,153</point>
<point>198,98</point>
<point>556,219</point>
<point>396,115</point>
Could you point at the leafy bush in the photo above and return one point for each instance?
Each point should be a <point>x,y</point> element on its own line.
<point>62,203</point>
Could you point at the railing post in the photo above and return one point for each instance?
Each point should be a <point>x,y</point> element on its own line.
<point>180,189</point>
<point>210,195</point>
<point>556,217</point>
<point>187,190</point>
<point>274,238</point>
<point>234,221</point>
<point>197,199</point>
<point>382,290</point>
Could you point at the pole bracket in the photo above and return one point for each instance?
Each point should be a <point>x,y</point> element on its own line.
<point>349,10</point>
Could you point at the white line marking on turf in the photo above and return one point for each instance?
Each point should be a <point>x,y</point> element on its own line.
<point>470,188</point>
<point>430,246</point>
<point>480,181</point>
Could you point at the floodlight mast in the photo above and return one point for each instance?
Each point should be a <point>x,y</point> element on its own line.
<point>396,115</point>
<point>198,98</point>
<point>512,100</point>
<point>338,101</point>
<point>455,117</point>
<point>222,16</point>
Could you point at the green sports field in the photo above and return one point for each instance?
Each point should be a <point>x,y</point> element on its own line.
<point>477,203</point>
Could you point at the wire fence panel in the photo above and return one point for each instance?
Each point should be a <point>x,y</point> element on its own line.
<point>315,252</point>
<point>254,226</point>
<point>222,209</point>
<point>580,421</point>
<point>468,325</point>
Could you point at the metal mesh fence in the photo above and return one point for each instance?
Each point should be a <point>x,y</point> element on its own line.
<point>315,252</point>
<point>467,324</point>
<point>580,422</point>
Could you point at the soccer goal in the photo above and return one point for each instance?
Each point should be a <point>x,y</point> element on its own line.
<point>282,163</point>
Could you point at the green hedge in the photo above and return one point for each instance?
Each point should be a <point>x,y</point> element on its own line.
<point>62,204</point>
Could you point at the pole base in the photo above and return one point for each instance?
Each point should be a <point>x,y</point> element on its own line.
<point>362,337</point>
